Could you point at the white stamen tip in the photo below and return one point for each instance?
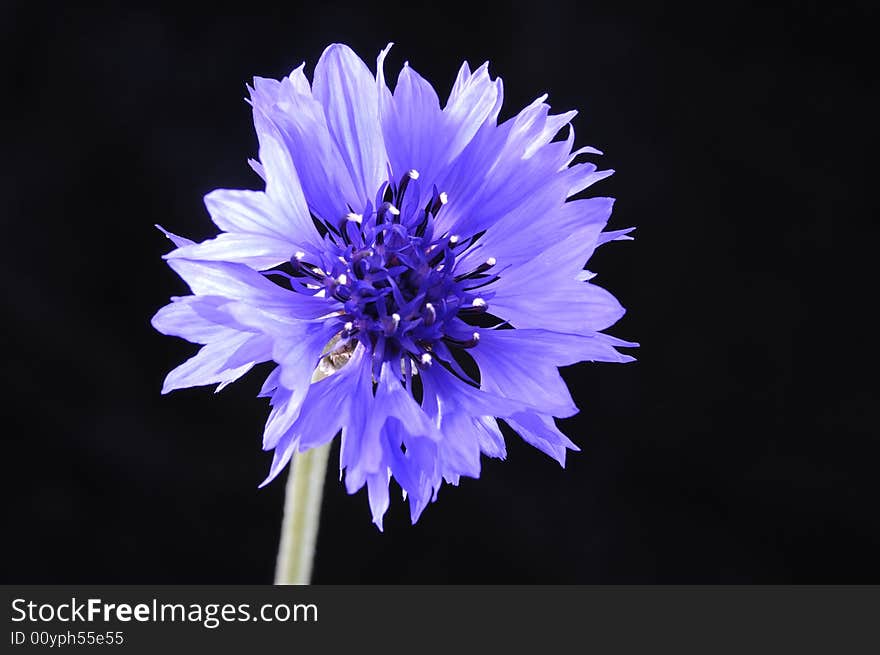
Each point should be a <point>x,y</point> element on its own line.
<point>342,279</point>
<point>444,198</point>
<point>414,174</point>
<point>491,261</point>
<point>356,218</point>
<point>478,302</point>
<point>454,239</point>
<point>349,326</point>
<point>318,271</point>
<point>476,336</point>
<point>393,210</point>
<point>298,255</point>
<point>396,317</point>
<point>429,306</point>
<point>426,359</point>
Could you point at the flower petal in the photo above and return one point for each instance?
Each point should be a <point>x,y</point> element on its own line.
<point>415,129</point>
<point>545,292</point>
<point>517,166</point>
<point>581,176</point>
<point>347,91</point>
<point>365,453</point>
<point>251,212</point>
<point>546,228</point>
<point>178,242</point>
<point>239,282</point>
<point>474,101</point>
<point>297,354</point>
<point>559,306</point>
<point>523,374</point>
<point>290,107</point>
<point>554,348</point>
<point>223,361</point>
<point>284,190</point>
<point>192,318</point>
<point>338,402</point>
<point>541,432</point>
<point>258,251</point>
<point>377,490</point>
<point>457,409</point>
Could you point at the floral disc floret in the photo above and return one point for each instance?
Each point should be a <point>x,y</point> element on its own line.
<point>402,295</point>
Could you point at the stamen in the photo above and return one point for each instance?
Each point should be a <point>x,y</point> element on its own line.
<point>484,281</point>
<point>470,343</point>
<point>342,294</point>
<point>301,268</point>
<point>437,201</point>
<point>478,271</point>
<point>478,306</point>
<point>381,265</point>
<point>430,314</point>
<point>390,323</point>
<point>410,176</point>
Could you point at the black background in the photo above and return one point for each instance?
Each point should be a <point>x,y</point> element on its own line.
<point>740,448</point>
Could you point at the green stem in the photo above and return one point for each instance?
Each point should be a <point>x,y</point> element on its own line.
<point>305,488</point>
<point>302,514</point>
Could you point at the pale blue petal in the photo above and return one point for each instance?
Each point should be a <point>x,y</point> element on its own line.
<point>504,240</point>
<point>332,404</point>
<point>255,250</point>
<point>193,318</point>
<point>178,241</point>
<point>541,432</point>
<point>297,354</point>
<point>559,306</point>
<point>253,212</point>
<point>415,129</point>
<point>219,362</point>
<point>523,373</point>
<point>377,490</point>
<point>530,347</point>
<point>347,91</point>
<point>290,107</point>
<point>490,438</point>
<point>474,101</point>
<point>284,190</point>
<point>240,282</point>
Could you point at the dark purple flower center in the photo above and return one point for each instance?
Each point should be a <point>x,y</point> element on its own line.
<point>403,296</point>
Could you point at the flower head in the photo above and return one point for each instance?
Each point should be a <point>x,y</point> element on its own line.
<point>415,273</point>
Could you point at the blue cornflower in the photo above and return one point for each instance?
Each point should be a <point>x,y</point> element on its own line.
<point>423,265</point>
